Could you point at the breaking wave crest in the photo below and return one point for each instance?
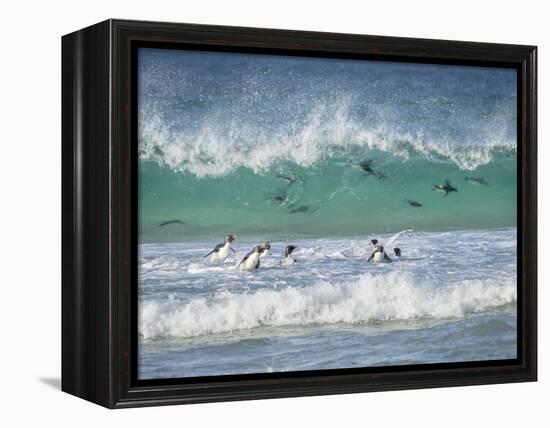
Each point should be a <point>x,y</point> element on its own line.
<point>218,150</point>
<point>371,298</point>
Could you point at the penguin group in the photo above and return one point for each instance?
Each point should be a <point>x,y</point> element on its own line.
<point>379,255</point>
<point>446,187</point>
<point>251,260</point>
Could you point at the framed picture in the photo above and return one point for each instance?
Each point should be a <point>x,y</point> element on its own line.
<point>252,213</point>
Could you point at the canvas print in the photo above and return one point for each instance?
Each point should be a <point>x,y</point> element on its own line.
<point>304,213</point>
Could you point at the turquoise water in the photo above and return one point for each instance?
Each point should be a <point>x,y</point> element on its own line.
<point>218,134</point>
<point>331,198</point>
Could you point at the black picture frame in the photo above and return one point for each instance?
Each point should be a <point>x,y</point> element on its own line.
<point>99,227</point>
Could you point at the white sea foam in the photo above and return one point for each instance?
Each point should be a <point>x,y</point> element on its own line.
<point>384,297</point>
<point>161,263</point>
<point>220,149</point>
<point>196,268</point>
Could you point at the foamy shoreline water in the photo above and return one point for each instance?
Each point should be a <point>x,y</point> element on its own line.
<point>370,299</point>
<point>443,280</point>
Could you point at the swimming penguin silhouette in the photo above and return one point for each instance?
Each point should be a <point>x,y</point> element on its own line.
<point>480,181</point>
<point>366,167</point>
<point>446,187</point>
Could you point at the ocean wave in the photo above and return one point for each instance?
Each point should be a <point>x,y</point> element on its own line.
<point>370,298</point>
<point>219,148</point>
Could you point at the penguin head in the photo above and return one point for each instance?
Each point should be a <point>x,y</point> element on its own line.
<point>230,238</point>
<point>289,250</point>
<point>265,247</point>
<point>258,248</point>
<point>397,252</point>
<point>374,242</point>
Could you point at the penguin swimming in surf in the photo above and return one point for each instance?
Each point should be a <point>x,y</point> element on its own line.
<point>251,260</point>
<point>265,249</point>
<point>397,252</point>
<point>414,204</point>
<point>366,167</point>
<point>290,179</point>
<point>221,251</point>
<point>379,255</point>
<point>376,244</point>
<point>446,187</point>
<point>302,209</point>
<point>264,252</point>
<point>289,259</point>
<point>278,197</point>
<point>169,222</point>
<point>480,181</point>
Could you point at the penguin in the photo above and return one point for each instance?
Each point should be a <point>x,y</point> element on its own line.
<point>397,252</point>
<point>289,259</point>
<point>221,251</point>
<point>251,260</point>
<point>290,179</point>
<point>480,181</point>
<point>169,222</point>
<point>376,244</point>
<point>447,188</point>
<point>302,209</point>
<point>379,255</point>
<point>366,167</point>
<point>265,249</point>
<point>414,204</point>
<point>264,252</point>
<point>278,197</point>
